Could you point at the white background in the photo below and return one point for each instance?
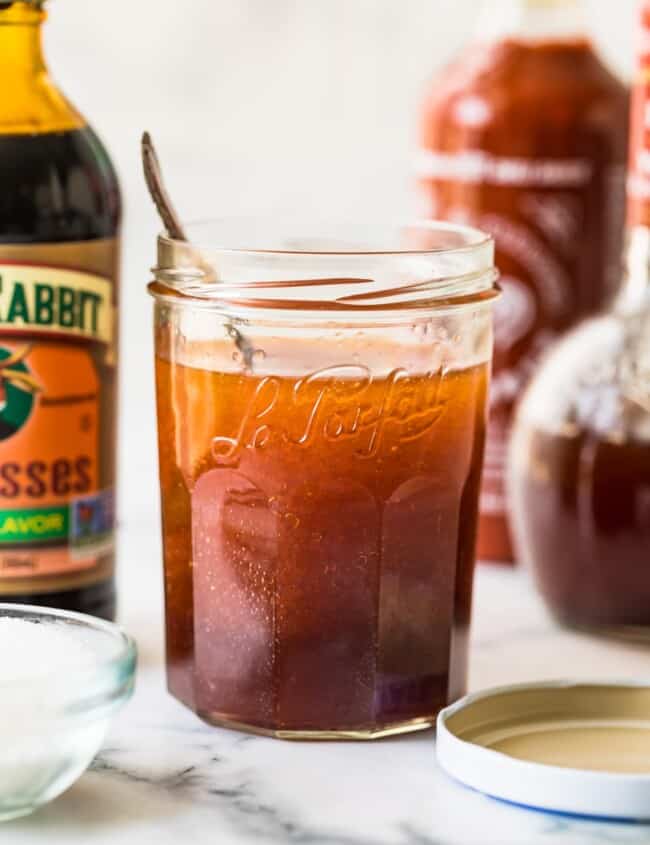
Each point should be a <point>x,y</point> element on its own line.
<point>301,105</point>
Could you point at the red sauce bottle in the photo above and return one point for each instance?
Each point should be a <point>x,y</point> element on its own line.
<point>525,136</point>
<point>580,458</point>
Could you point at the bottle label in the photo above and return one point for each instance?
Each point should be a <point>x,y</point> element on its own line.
<point>57,358</point>
<point>541,212</point>
<point>638,184</point>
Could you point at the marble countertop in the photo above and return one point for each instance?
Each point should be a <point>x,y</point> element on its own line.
<point>164,777</point>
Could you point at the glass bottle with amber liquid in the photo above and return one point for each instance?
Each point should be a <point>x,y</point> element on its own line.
<point>580,458</point>
<point>525,136</point>
<point>59,245</point>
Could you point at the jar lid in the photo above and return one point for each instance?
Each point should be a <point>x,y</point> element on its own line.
<point>576,748</point>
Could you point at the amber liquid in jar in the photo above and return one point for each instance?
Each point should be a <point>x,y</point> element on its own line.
<point>319,540</point>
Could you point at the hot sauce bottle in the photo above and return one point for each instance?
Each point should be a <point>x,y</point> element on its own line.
<point>580,462</point>
<point>524,136</point>
<point>59,224</point>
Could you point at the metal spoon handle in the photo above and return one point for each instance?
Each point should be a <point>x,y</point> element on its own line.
<point>159,194</point>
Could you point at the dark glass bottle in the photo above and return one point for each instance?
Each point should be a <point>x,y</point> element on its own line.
<point>59,253</point>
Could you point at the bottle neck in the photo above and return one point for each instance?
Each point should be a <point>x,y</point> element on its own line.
<point>21,48</point>
<point>29,100</point>
<point>533,20</point>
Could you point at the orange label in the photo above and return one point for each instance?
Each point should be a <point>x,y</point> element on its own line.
<point>56,331</point>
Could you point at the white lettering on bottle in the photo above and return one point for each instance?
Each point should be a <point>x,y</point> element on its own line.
<point>477,167</point>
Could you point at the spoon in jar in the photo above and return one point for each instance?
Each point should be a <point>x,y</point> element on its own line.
<point>174,228</point>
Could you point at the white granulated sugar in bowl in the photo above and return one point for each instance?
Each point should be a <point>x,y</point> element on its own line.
<point>35,649</point>
<point>41,668</point>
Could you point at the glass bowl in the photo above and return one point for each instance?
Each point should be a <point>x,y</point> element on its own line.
<point>54,714</point>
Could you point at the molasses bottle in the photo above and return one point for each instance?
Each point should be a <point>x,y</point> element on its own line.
<point>580,458</point>
<point>59,246</point>
<point>525,137</point>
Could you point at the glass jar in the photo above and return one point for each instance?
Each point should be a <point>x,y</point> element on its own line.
<point>321,411</point>
<point>580,476</point>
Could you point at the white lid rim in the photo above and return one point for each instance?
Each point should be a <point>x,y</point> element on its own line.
<point>578,792</point>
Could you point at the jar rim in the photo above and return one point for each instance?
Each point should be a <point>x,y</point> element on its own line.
<point>317,267</point>
<point>474,238</point>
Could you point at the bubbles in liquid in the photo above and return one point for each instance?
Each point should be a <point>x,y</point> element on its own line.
<point>292,520</point>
